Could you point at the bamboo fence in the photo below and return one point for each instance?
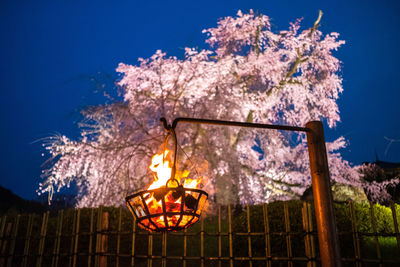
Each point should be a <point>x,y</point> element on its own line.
<point>110,237</point>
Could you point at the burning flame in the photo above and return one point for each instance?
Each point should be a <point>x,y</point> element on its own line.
<point>192,201</point>
<point>162,171</point>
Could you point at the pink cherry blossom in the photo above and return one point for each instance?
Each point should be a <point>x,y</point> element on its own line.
<point>249,73</point>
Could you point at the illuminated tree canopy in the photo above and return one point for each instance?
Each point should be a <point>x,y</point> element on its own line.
<point>249,73</point>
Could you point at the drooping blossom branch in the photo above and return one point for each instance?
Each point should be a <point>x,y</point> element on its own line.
<point>249,73</point>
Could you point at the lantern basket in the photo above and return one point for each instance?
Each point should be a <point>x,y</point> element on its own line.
<point>177,207</point>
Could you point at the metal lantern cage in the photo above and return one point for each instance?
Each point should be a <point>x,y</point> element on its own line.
<point>171,216</point>
<point>180,207</point>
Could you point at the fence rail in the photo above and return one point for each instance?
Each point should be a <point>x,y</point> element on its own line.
<point>266,235</point>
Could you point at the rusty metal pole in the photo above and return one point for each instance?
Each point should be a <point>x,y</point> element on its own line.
<point>323,202</point>
<point>326,226</point>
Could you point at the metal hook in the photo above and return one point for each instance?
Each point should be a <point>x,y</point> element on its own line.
<point>171,131</point>
<point>167,126</point>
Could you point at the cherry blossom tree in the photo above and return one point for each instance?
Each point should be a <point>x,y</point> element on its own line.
<point>249,73</point>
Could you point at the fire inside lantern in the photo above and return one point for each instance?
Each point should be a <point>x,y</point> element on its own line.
<point>167,205</point>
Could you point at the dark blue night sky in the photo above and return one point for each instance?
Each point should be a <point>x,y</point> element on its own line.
<point>50,51</point>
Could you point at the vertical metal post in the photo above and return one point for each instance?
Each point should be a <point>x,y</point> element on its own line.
<point>326,226</point>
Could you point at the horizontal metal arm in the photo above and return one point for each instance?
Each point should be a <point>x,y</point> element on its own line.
<point>232,123</point>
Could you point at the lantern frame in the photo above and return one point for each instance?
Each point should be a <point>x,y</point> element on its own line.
<point>178,218</point>
<point>191,205</point>
<point>326,225</point>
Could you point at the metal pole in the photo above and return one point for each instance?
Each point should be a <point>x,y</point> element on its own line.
<point>326,226</point>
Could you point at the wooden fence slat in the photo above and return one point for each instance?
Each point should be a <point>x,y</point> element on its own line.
<point>133,241</point>
<point>150,250</point>
<point>36,255</point>
<point>42,238</point>
<point>118,237</point>
<point>76,237</point>
<point>308,238</point>
<point>71,247</point>
<point>57,242</point>
<point>202,241</point>
<point>219,237</point>
<point>395,224</point>
<point>3,248</point>
<point>104,240</point>
<point>267,235</point>
<point>288,235</point>
<point>230,236</point>
<point>356,239</point>
<point>2,230</point>
<point>13,241</point>
<point>373,223</point>
<point>164,250</point>
<point>184,247</point>
<point>3,225</point>
<point>91,228</point>
<point>248,236</point>
<point>98,236</point>
<point>306,229</point>
<point>27,241</point>
<point>311,229</point>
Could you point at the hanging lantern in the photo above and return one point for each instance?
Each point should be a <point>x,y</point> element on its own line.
<point>167,205</point>
<point>169,208</point>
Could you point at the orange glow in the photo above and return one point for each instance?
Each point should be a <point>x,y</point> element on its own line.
<point>162,168</point>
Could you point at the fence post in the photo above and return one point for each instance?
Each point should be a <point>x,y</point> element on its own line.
<point>308,239</point>
<point>326,226</point>
<point>25,257</point>
<point>76,238</point>
<point>98,236</point>
<point>2,228</point>
<point>267,235</point>
<point>13,241</point>
<point>118,236</point>
<point>104,240</point>
<point>57,241</point>
<point>42,238</point>
<point>395,224</point>
<point>3,247</point>
<point>133,242</point>
<point>91,238</point>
